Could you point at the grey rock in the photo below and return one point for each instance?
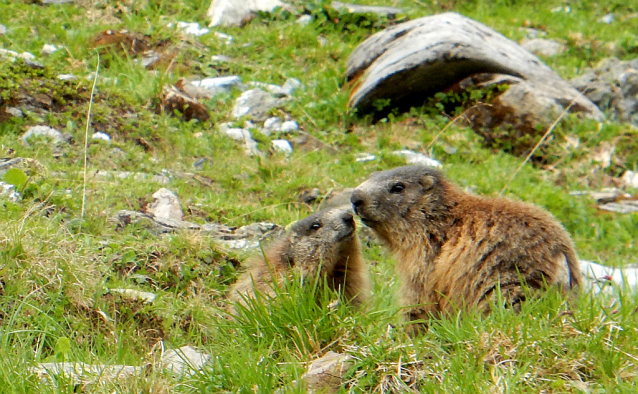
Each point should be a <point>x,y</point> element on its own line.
<point>543,47</point>
<point>150,59</point>
<point>417,59</point>
<point>613,86</point>
<point>3,29</point>
<point>238,134</point>
<point>199,163</point>
<point>271,125</point>
<point>417,158</point>
<point>47,2</point>
<point>44,131</point>
<point>236,13</point>
<point>240,244</point>
<point>184,361</point>
<point>255,103</point>
<point>161,179</point>
<point>243,135</point>
<point>255,230</point>
<point>325,374</point>
<point>81,373</point>
<point>365,9</point>
<point>530,32</point>
<point>166,205</point>
<point>13,111</point>
<point>623,207</point>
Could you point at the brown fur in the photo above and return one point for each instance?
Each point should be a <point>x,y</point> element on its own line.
<point>454,250</point>
<point>323,244</point>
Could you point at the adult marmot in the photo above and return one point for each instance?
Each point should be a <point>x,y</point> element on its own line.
<point>323,245</point>
<point>454,250</point>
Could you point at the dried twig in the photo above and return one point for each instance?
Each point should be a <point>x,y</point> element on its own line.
<point>86,137</point>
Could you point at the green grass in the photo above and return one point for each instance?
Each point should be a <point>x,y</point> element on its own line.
<point>55,270</point>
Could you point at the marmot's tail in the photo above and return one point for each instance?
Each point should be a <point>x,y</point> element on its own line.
<point>575,274</point>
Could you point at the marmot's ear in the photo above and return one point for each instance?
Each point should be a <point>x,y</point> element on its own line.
<point>427,181</point>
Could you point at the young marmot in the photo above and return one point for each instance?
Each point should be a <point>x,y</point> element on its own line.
<point>455,250</point>
<point>323,245</point>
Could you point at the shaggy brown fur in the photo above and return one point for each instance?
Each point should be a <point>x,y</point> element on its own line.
<point>324,245</point>
<point>454,250</point>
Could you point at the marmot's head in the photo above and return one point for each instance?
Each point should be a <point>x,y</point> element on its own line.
<point>318,242</point>
<point>399,199</point>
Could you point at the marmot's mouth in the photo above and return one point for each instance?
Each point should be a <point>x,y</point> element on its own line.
<point>368,222</point>
<point>349,233</point>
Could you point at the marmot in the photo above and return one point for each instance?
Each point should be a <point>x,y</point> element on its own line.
<point>454,250</point>
<point>323,244</point>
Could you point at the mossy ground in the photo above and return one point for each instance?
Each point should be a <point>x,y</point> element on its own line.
<point>55,267</point>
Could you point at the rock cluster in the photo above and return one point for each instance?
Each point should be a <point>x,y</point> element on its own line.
<point>613,87</point>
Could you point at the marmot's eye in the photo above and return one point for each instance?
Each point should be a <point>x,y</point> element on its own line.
<point>315,226</point>
<point>397,188</point>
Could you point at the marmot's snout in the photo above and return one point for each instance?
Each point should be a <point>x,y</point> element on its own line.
<point>358,201</point>
<point>346,220</point>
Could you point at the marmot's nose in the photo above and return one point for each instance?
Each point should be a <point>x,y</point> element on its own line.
<point>357,200</point>
<point>347,218</point>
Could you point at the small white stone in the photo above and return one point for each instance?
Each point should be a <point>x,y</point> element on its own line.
<point>240,244</point>
<point>418,158</point>
<point>291,85</point>
<point>27,56</point>
<point>42,131</point>
<point>135,294</point>
<point>608,19</point>
<point>101,136</point>
<point>228,39</point>
<point>289,126</point>
<point>192,28</point>
<point>304,20</point>
<point>185,360</point>
<point>630,179</point>
<point>273,124</point>
<point>67,77</point>
<point>238,134</point>
<point>15,112</point>
<point>48,49</point>
<point>282,146</point>
<point>220,83</point>
<point>221,58</point>
<point>364,157</point>
<point>8,190</point>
